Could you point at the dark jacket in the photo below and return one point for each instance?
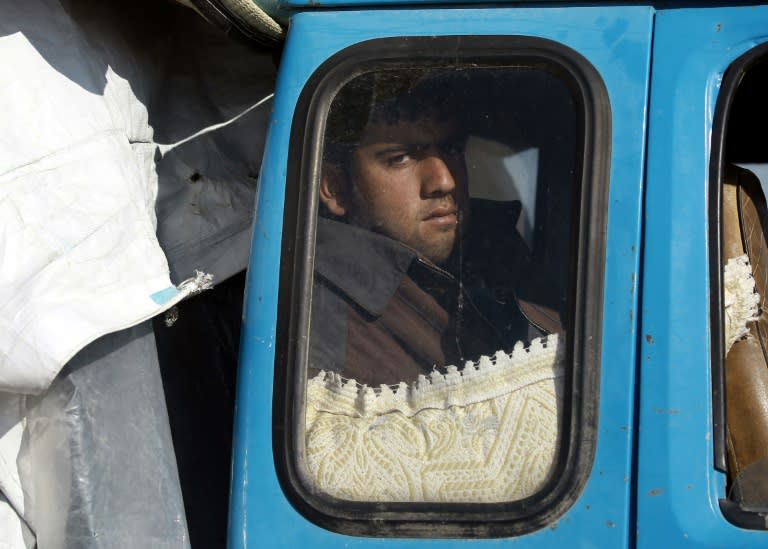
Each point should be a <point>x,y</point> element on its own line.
<point>382,314</point>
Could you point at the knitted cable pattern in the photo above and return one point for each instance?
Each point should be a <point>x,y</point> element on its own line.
<point>486,433</point>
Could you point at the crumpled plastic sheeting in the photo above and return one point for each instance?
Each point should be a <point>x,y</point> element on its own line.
<point>11,431</point>
<point>89,90</point>
<point>210,123</point>
<point>97,103</point>
<point>77,240</point>
<point>15,533</point>
<point>96,460</point>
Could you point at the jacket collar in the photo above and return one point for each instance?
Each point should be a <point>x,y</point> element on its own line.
<point>364,265</point>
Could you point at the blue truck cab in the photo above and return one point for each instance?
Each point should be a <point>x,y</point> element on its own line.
<point>618,144</point>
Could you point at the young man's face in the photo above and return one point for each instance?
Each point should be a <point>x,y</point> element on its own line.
<point>408,181</point>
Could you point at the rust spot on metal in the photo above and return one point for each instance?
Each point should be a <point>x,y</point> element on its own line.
<point>655,492</point>
<point>648,338</point>
<point>610,524</point>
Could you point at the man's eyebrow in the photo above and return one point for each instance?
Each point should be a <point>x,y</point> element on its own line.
<point>391,148</point>
<point>387,148</point>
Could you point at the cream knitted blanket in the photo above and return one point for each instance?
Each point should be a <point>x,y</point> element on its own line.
<point>486,433</point>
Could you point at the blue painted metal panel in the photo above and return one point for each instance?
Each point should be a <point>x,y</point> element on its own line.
<point>616,40</point>
<point>678,487</point>
<point>287,4</point>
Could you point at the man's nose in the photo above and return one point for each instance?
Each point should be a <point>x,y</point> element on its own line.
<point>436,176</point>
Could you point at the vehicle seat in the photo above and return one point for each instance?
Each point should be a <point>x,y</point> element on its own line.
<point>745,226</point>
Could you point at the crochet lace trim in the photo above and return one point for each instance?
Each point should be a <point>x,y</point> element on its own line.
<point>485,379</point>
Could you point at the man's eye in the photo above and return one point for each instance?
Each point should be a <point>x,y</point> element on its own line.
<point>398,159</point>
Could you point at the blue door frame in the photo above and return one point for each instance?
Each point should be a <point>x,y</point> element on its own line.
<point>617,42</point>
<point>667,494</point>
<point>678,484</point>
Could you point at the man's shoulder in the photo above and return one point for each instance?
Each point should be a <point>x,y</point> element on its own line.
<point>363,266</point>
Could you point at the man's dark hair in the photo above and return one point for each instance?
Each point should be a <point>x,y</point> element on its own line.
<point>388,96</point>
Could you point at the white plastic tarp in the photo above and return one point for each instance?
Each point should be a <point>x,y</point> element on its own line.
<point>111,111</point>
<point>77,190</point>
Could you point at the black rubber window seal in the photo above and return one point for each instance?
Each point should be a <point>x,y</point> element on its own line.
<point>740,515</point>
<point>576,453</point>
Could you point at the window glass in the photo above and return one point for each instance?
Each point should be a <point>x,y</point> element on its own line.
<point>440,298</point>
<point>439,317</point>
<point>745,282</point>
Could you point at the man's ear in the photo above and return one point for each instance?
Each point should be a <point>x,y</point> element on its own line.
<point>333,190</point>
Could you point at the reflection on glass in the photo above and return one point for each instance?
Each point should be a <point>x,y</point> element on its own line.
<point>441,274</point>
